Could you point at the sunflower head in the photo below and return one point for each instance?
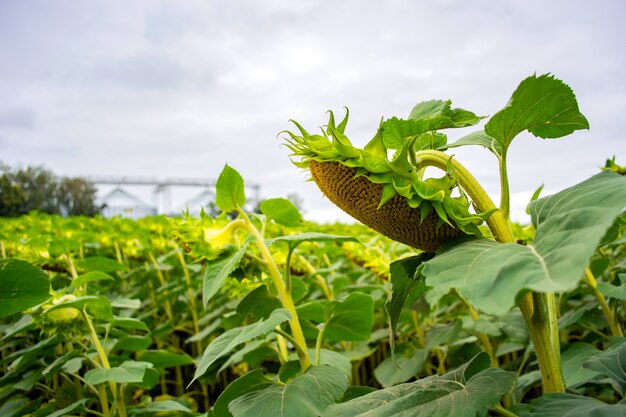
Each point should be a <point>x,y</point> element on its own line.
<point>391,194</point>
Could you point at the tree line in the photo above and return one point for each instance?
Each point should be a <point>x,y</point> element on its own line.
<point>34,188</point>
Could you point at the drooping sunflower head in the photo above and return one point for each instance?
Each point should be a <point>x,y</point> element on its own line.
<point>391,194</point>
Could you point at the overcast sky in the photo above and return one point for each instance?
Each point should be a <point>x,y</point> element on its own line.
<point>178,89</point>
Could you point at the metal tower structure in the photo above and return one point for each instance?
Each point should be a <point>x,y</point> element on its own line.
<point>162,187</point>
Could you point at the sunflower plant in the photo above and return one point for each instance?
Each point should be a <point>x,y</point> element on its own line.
<point>383,185</point>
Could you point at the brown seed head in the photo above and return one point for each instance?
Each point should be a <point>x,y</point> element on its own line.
<point>359,197</point>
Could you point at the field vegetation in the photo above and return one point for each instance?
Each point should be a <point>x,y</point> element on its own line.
<point>266,314</point>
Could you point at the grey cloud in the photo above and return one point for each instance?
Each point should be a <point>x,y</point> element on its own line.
<point>18,118</point>
<point>174,89</point>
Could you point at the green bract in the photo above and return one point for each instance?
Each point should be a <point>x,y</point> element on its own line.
<point>398,174</point>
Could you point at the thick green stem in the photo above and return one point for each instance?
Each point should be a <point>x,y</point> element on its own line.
<point>606,310</point>
<point>497,222</point>
<point>283,294</point>
<point>538,311</point>
<point>535,309</point>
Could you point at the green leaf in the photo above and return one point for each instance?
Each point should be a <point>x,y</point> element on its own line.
<point>229,190</point>
<point>407,285</point>
<point>218,270</point>
<point>69,409</point>
<point>250,382</point>
<point>479,138</point>
<point>544,105</point>
<point>91,277</point>
<point>334,359</point>
<point>228,340</point>
<point>132,343</point>
<point>433,397</point>
<point>129,372</point>
<point>22,286</point>
<point>282,211</point>
<point>97,305</point>
<point>559,405</point>
<point>572,361</point>
<point>611,363</point>
<point>441,116</point>
<point>73,365</point>
<point>350,319</point>
<point>99,263</point>
<point>129,323</point>
<point>160,408</point>
<point>258,303</point>
<point>440,335</point>
<point>569,225</point>
<point>307,395</point>
<point>313,311</point>
<point>295,240</point>
<point>128,303</point>
<point>425,117</point>
<point>408,362</point>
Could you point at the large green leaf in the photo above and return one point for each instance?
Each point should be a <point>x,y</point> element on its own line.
<point>129,372</point>
<point>252,381</point>
<point>570,224</point>
<point>22,286</point>
<point>611,363</point>
<point>350,319</point>
<point>228,340</point>
<point>447,395</point>
<point>572,361</point>
<point>259,303</point>
<point>217,271</point>
<point>229,190</point>
<point>307,395</point>
<point>544,105</point>
<point>282,211</point>
<point>406,363</point>
<point>568,405</point>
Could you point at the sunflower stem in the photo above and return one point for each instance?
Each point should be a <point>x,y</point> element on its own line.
<point>538,310</point>
<point>283,294</point>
